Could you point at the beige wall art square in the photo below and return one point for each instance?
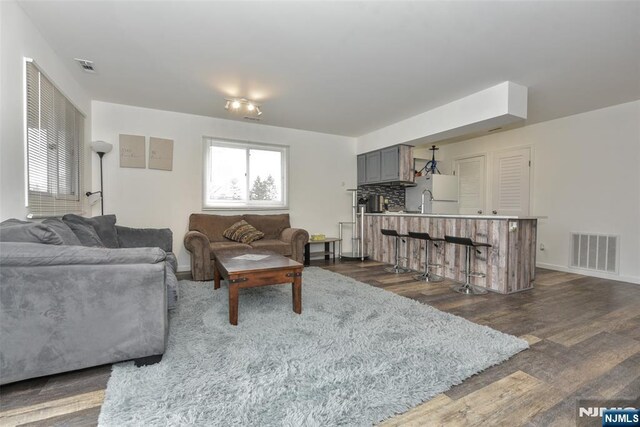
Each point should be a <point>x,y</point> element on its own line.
<point>160,154</point>
<point>132,153</point>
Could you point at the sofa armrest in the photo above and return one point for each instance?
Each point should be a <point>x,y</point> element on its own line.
<point>297,237</point>
<point>195,241</point>
<point>197,244</point>
<point>38,254</point>
<point>145,238</point>
<point>59,318</point>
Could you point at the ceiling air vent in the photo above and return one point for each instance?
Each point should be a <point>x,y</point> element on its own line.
<point>86,65</point>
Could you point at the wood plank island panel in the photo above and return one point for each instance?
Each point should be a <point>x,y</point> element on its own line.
<point>509,264</point>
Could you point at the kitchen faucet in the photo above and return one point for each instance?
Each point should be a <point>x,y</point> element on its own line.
<point>430,199</point>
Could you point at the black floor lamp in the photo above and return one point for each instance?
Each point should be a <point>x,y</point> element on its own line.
<point>102,148</point>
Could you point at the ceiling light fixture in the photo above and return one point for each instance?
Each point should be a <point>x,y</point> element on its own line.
<point>243,105</point>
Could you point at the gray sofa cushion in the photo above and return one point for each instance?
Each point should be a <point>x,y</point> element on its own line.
<point>104,226</point>
<point>172,261</point>
<point>129,237</point>
<point>63,230</point>
<point>15,230</point>
<point>35,254</point>
<point>84,231</point>
<point>172,280</point>
<point>14,221</point>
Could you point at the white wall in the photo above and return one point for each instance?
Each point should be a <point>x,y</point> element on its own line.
<point>586,178</point>
<point>321,168</point>
<point>18,39</point>
<point>496,106</point>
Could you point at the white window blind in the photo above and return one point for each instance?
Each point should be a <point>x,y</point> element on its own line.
<point>55,140</point>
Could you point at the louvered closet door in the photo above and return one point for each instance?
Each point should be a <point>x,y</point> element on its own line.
<point>471,185</point>
<point>510,185</point>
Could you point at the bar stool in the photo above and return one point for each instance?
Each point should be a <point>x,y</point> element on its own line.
<point>427,276</point>
<point>466,287</point>
<point>396,268</point>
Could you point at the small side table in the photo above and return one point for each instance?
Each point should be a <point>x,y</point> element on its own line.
<point>329,252</point>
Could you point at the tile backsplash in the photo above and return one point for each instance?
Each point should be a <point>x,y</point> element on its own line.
<point>395,194</point>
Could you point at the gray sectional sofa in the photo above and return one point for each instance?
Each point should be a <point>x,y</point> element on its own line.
<point>73,296</point>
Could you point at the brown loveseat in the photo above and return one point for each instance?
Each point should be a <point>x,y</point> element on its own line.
<point>205,238</point>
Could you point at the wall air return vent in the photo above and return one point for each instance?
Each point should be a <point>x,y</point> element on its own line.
<point>86,65</point>
<point>597,252</point>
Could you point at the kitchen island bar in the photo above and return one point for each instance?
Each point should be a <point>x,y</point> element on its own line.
<point>509,264</point>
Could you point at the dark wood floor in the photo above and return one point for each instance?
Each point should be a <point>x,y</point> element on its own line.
<point>584,334</point>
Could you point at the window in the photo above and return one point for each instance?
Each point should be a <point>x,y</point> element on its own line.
<point>241,175</point>
<point>54,142</point>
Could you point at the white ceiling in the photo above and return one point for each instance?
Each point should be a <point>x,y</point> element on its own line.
<point>347,68</point>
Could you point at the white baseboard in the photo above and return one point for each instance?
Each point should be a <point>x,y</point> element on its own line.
<point>591,273</point>
<point>630,279</point>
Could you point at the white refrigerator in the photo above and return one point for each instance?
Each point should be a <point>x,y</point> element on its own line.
<point>445,194</point>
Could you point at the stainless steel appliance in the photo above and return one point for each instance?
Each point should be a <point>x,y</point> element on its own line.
<point>375,203</point>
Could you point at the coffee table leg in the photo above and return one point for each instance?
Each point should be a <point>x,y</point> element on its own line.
<point>216,278</point>
<point>296,288</point>
<point>233,303</point>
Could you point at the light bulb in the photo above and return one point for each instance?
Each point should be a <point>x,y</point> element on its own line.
<point>227,105</point>
<point>250,107</point>
<point>258,111</point>
<point>235,105</point>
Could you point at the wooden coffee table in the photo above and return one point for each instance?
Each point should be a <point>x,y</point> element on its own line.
<point>242,273</point>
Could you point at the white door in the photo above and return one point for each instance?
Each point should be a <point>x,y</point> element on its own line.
<point>510,184</point>
<point>471,184</point>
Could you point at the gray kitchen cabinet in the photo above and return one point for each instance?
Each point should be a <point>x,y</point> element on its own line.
<point>362,169</point>
<point>389,164</point>
<point>372,168</point>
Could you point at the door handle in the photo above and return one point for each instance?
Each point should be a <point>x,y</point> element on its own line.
<point>480,212</point>
<point>495,212</point>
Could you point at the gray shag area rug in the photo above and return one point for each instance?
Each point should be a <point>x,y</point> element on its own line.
<point>355,356</point>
